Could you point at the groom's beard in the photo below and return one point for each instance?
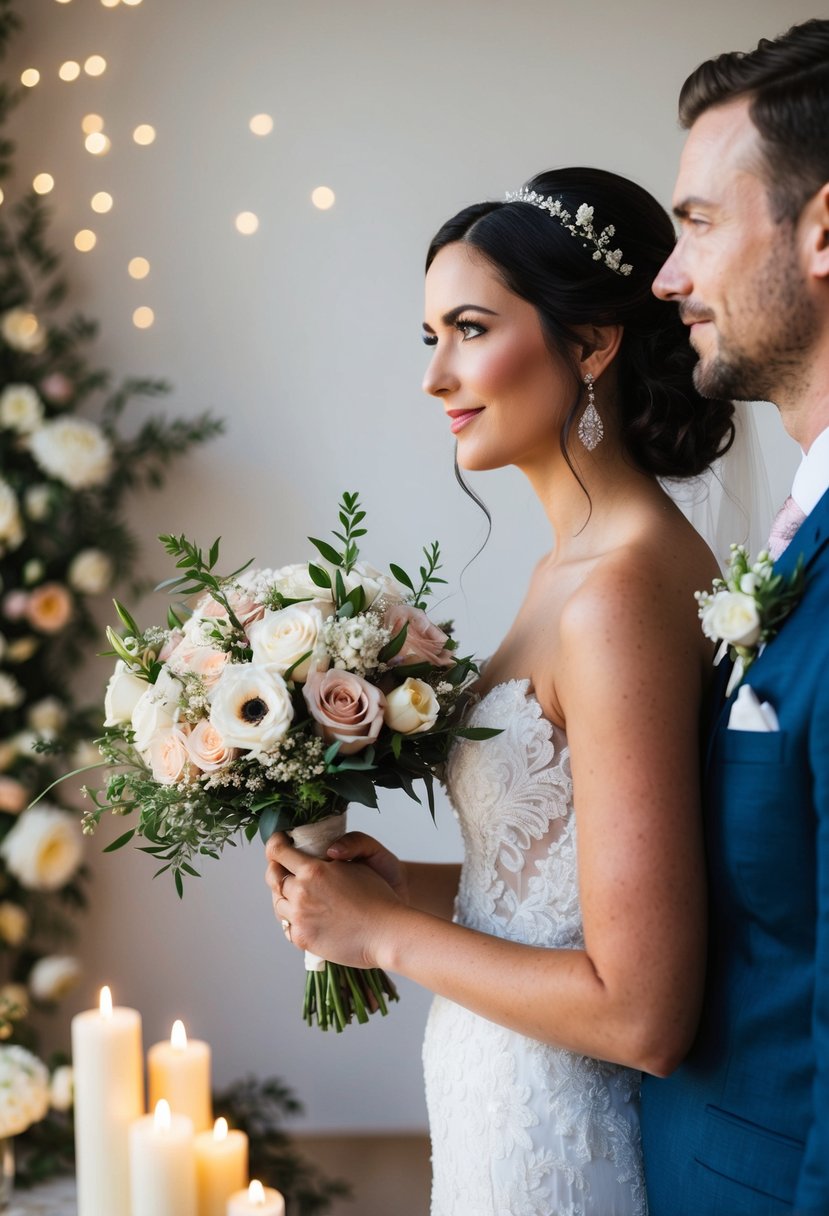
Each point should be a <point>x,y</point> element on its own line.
<point>768,330</point>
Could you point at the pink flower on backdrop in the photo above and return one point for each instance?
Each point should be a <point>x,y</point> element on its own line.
<point>425,643</point>
<point>15,605</point>
<point>13,796</point>
<point>207,749</point>
<point>346,708</point>
<point>57,388</point>
<point>49,608</point>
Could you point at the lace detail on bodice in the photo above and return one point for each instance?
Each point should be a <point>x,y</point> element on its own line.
<point>520,1128</point>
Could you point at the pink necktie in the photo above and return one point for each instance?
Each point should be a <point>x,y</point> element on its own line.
<point>784,525</point>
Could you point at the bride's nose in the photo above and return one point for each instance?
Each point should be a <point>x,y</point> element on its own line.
<point>440,379</point>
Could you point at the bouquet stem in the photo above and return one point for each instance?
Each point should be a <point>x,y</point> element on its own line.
<point>335,994</point>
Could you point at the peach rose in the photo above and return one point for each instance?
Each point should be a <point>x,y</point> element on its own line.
<point>49,608</point>
<point>425,643</point>
<point>207,749</point>
<point>346,708</point>
<point>170,645</point>
<point>202,661</point>
<point>169,756</point>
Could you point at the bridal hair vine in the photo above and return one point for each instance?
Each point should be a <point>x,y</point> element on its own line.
<point>582,228</point>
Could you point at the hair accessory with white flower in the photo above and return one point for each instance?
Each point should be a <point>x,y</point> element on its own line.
<point>582,228</point>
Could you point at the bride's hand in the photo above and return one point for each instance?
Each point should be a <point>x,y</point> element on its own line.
<point>357,846</point>
<point>341,911</point>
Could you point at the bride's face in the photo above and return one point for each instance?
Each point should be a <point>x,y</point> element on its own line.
<point>503,390</point>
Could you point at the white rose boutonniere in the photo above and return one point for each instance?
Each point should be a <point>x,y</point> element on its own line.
<point>744,610</point>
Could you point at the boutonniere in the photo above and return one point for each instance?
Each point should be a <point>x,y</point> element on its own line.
<point>744,610</point>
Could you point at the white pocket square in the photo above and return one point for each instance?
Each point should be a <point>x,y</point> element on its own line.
<point>748,713</point>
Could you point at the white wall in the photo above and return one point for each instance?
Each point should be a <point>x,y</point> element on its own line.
<point>306,338</point>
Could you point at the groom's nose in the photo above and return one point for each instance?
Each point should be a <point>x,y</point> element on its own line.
<point>673,281</point>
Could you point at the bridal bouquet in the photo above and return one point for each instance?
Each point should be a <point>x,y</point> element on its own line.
<point>283,696</point>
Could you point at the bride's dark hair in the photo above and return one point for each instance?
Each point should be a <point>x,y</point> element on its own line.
<point>667,428</point>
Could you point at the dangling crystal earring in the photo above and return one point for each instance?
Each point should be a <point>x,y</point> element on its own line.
<point>591,427</point>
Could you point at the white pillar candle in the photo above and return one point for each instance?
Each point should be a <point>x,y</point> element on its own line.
<point>221,1167</point>
<point>257,1200</point>
<point>179,1071</point>
<point>162,1165</point>
<point>107,1058</point>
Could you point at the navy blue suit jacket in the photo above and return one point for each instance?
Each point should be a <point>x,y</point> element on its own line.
<point>742,1127</point>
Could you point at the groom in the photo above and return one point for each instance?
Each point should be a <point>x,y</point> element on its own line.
<point>742,1127</point>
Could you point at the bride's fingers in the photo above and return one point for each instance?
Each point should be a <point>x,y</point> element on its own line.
<point>353,845</point>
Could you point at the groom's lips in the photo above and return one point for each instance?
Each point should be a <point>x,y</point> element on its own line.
<point>461,417</point>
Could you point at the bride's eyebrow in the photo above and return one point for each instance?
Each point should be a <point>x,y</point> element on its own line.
<point>450,317</point>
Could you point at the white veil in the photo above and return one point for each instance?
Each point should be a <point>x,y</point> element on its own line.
<point>730,503</point>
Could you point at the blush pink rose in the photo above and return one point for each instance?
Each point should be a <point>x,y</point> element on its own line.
<point>425,643</point>
<point>246,608</point>
<point>346,708</point>
<point>169,757</point>
<point>207,749</point>
<point>49,608</point>
<point>170,645</point>
<point>13,796</point>
<point>15,605</point>
<point>202,661</point>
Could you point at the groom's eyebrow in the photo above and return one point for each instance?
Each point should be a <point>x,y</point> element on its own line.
<point>450,317</point>
<point>682,209</point>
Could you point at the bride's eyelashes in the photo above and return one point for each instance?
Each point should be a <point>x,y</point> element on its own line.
<point>469,330</point>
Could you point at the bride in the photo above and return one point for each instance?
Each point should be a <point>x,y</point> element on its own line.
<point>567,952</point>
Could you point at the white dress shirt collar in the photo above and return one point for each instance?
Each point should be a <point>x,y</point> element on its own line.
<point>811,481</point>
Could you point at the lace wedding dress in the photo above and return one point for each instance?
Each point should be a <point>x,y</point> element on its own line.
<point>520,1128</point>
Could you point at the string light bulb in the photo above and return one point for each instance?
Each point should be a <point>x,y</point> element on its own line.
<point>85,240</point>
<point>101,202</point>
<point>247,223</point>
<point>144,134</point>
<point>70,70</point>
<point>29,77</point>
<point>143,317</point>
<point>132,3</point>
<point>97,143</point>
<point>323,198</point>
<point>2,196</point>
<point>95,65</point>
<point>110,3</point>
<point>43,183</point>
<point>261,124</point>
<point>138,268</point>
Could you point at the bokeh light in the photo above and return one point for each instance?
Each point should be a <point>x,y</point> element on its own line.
<point>132,3</point>
<point>101,202</point>
<point>2,196</point>
<point>92,124</point>
<point>247,223</point>
<point>144,134</point>
<point>261,124</point>
<point>143,317</point>
<point>323,197</point>
<point>110,3</point>
<point>69,70</point>
<point>43,183</point>
<point>30,77</point>
<point>95,65</point>
<point>97,143</point>
<point>85,240</point>
<point>138,268</point>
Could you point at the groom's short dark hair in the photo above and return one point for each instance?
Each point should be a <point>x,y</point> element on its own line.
<point>786,80</point>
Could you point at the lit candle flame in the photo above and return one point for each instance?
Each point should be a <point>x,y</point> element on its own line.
<point>256,1193</point>
<point>106,1002</point>
<point>220,1129</point>
<point>178,1036</point>
<point>163,1118</point>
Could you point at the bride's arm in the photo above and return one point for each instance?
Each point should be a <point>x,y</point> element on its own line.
<point>630,688</point>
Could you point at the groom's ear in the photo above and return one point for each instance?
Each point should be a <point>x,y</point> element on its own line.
<point>815,220</point>
<point>599,347</point>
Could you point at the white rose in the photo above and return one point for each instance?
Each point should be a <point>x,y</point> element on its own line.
<point>47,717</point>
<point>44,848</point>
<point>732,616</point>
<point>11,528</point>
<point>11,694</point>
<point>62,1088</point>
<point>373,582</point>
<point>123,693</point>
<point>22,331</point>
<point>250,707</point>
<point>54,976</point>
<point>21,409</point>
<point>295,583</point>
<point>155,710</point>
<point>24,1090</point>
<point>38,502</point>
<point>74,451</point>
<point>411,708</point>
<point>280,638</point>
<point>14,923</point>
<point>90,572</point>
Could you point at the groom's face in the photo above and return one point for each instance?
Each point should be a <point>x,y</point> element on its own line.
<point>735,270</point>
